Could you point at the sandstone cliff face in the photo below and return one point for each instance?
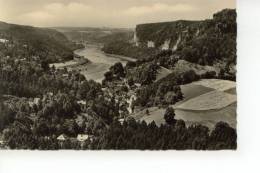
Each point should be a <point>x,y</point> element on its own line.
<point>171,35</point>
<point>164,35</point>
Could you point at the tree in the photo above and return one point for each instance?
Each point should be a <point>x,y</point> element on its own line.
<point>108,76</point>
<point>7,116</point>
<point>118,69</point>
<point>189,76</point>
<point>130,81</point>
<point>45,65</point>
<point>169,116</point>
<point>223,137</point>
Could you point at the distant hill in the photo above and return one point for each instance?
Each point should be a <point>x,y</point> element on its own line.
<point>95,35</point>
<point>46,43</point>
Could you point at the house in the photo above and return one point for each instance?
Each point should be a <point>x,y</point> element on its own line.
<point>82,137</point>
<point>35,101</point>
<point>82,102</point>
<point>122,120</point>
<point>150,44</point>
<point>65,75</point>
<point>2,40</point>
<point>138,85</point>
<point>166,44</point>
<point>50,93</point>
<point>62,137</point>
<point>2,142</point>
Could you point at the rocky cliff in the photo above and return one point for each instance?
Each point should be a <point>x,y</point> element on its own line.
<point>206,42</point>
<point>171,35</point>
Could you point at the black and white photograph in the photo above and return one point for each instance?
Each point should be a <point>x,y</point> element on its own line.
<point>118,75</point>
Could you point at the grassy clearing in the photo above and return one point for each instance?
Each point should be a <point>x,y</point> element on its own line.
<point>209,118</point>
<point>217,84</point>
<point>231,91</point>
<point>155,114</point>
<point>209,101</point>
<point>192,90</point>
<point>162,72</point>
<point>94,71</point>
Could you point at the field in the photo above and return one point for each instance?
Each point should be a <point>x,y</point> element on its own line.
<point>94,71</point>
<point>217,84</point>
<point>162,72</point>
<point>192,90</point>
<point>209,101</point>
<point>207,118</point>
<point>231,91</point>
<point>203,103</point>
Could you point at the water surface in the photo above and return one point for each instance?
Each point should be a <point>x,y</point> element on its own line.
<point>100,62</point>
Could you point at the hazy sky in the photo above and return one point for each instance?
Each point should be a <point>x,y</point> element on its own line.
<point>110,13</point>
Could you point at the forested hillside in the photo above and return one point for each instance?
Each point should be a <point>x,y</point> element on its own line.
<point>96,35</point>
<point>47,44</point>
<point>204,42</point>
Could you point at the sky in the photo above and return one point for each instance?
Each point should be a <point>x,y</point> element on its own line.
<point>106,13</point>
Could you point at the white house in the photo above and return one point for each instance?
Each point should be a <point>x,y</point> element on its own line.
<point>150,44</point>
<point>62,137</point>
<point>166,44</point>
<point>65,75</point>
<point>82,102</point>
<point>35,101</point>
<point>122,120</point>
<point>82,137</point>
<point>138,85</point>
<point>2,40</point>
<point>1,141</point>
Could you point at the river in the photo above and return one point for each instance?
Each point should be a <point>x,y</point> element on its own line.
<point>100,62</point>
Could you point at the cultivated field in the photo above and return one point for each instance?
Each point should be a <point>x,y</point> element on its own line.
<point>94,71</point>
<point>207,118</point>
<point>192,90</point>
<point>162,72</point>
<point>231,91</point>
<point>217,84</point>
<point>209,101</point>
<point>203,103</point>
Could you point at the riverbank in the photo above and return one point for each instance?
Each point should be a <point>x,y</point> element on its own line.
<point>92,62</point>
<point>77,61</point>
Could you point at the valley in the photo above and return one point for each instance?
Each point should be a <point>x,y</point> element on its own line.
<point>96,63</point>
<point>169,85</point>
